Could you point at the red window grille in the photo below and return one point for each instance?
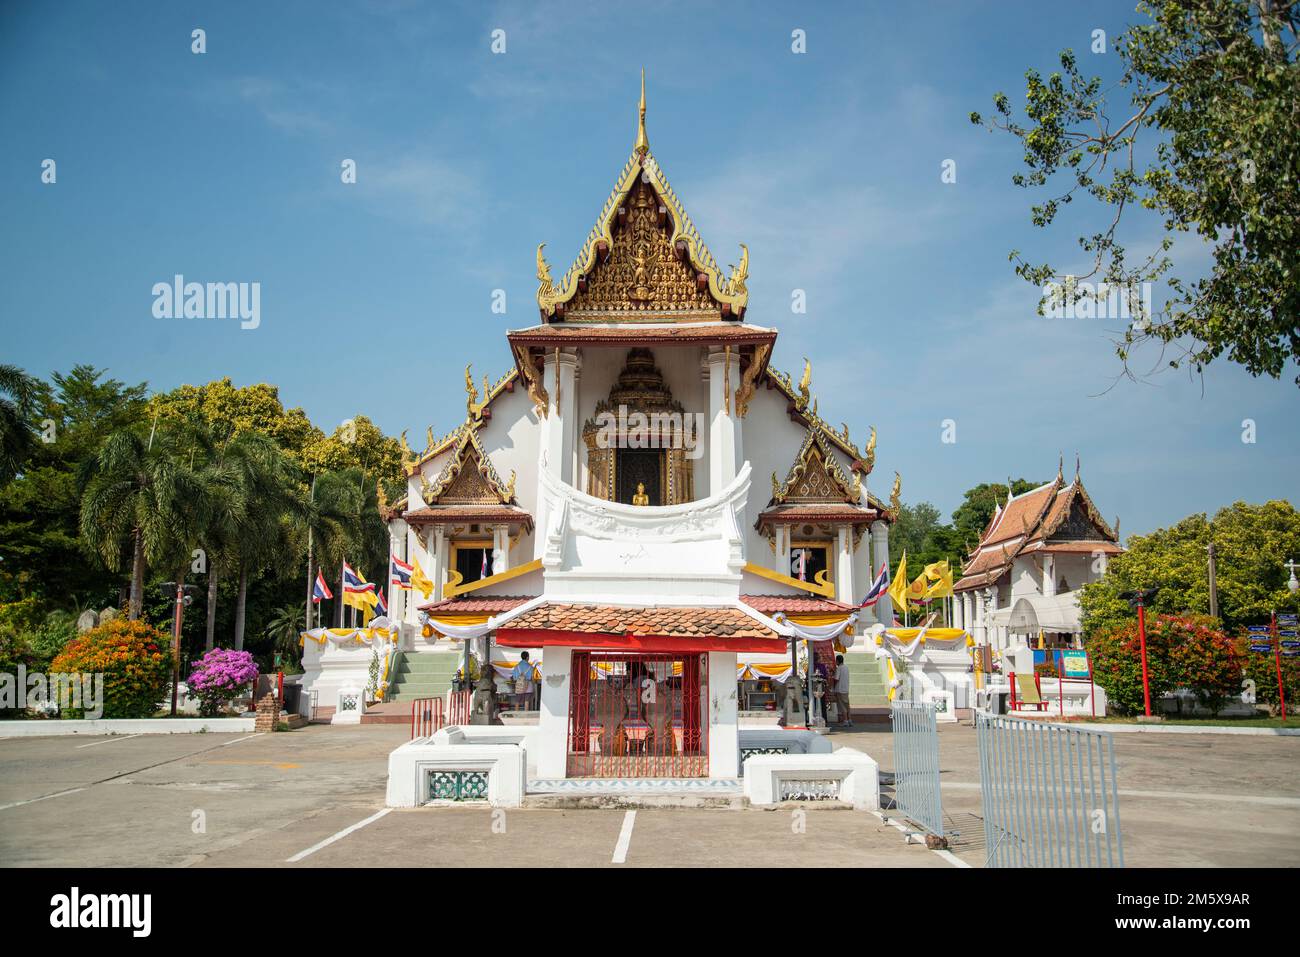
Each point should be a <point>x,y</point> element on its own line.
<point>634,715</point>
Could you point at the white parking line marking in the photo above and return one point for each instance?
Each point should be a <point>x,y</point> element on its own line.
<point>624,838</point>
<point>46,797</point>
<point>94,744</point>
<point>336,837</point>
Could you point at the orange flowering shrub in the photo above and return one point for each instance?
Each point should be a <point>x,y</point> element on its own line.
<point>135,659</point>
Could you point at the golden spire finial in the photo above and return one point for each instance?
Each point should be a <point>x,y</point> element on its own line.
<point>642,141</point>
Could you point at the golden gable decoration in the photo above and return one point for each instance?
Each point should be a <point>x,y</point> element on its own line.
<point>816,477</point>
<point>468,478</point>
<point>644,260</point>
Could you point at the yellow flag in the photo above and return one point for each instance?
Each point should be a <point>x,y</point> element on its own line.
<point>418,580</point>
<point>942,579</point>
<point>916,590</point>
<point>898,587</point>
<point>935,570</point>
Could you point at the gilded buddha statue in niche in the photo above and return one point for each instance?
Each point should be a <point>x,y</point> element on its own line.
<point>640,498</point>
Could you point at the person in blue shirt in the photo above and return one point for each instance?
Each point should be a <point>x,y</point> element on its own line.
<point>522,679</point>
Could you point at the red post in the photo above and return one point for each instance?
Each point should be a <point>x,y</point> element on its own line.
<point>1142,639</point>
<point>1277,663</point>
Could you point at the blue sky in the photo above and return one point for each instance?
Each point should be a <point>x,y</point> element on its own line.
<point>225,167</point>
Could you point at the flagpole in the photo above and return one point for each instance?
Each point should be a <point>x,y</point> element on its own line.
<point>311,583</point>
<point>342,582</point>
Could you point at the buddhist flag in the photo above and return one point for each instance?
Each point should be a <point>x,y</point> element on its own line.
<point>917,589</point>
<point>418,579</point>
<point>898,589</point>
<point>942,580</point>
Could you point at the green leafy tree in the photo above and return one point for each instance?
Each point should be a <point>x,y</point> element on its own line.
<point>40,549</point>
<point>1251,544</point>
<point>138,499</point>
<point>18,392</point>
<point>1199,129</point>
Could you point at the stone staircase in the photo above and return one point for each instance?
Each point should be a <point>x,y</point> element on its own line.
<point>868,689</point>
<point>423,675</point>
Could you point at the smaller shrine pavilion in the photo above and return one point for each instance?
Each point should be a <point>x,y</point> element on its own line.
<point>1021,582</point>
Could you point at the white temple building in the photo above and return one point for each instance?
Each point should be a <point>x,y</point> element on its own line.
<point>641,495</point>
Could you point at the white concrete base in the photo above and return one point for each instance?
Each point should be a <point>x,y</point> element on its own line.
<point>856,776</point>
<point>54,727</point>
<point>794,741</point>
<point>409,767</point>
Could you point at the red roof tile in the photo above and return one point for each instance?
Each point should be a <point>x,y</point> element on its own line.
<point>685,621</point>
<point>795,604</point>
<point>475,604</point>
<point>460,514</point>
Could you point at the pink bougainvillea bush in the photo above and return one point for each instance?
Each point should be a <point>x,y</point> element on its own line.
<point>218,676</point>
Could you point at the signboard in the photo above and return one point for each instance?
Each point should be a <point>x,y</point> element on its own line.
<point>1288,619</point>
<point>1291,644</point>
<point>1255,647</point>
<point>1286,632</point>
<point>1074,663</point>
<point>1260,629</point>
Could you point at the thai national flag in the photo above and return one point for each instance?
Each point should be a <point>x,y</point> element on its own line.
<point>400,573</point>
<point>352,582</point>
<point>878,587</point>
<point>381,606</point>
<point>483,569</point>
<point>800,565</point>
<point>321,590</point>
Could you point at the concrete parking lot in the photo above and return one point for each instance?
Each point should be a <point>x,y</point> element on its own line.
<point>267,800</point>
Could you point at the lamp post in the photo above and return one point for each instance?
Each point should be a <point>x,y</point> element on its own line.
<point>1139,599</point>
<point>184,597</point>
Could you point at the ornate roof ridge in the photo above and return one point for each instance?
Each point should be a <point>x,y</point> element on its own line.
<point>786,385</point>
<point>852,491</point>
<point>438,446</point>
<point>729,290</point>
<point>431,491</point>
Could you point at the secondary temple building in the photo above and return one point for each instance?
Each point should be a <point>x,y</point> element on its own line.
<point>643,503</point>
<point>1022,580</point>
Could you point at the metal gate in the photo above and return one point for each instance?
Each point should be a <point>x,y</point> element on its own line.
<point>916,765</point>
<point>1050,796</point>
<point>638,715</point>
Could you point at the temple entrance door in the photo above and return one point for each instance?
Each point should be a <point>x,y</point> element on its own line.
<point>640,466</point>
<point>635,715</point>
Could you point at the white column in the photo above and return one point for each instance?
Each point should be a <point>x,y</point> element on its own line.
<point>440,550</point>
<point>417,552</point>
<point>844,565</point>
<point>1049,575</point>
<point>781,555</point>
<point>724,428</point>
<point>880,553</point>
<point>724,736</point>
<point>556,449</point>
<point>500,549</point>
<point>553,722</point>
<point>397,599</point>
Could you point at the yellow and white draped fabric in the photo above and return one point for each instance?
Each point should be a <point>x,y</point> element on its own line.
<point>763,671</point>
<point>464,632</point>
<point>342,637</point>
<point>818,632</point>
<point>506,669</point>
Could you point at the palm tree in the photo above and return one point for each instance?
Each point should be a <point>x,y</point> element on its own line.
<point>332,520</point>
<point>272,495</point>
<point>139,491</point>
<point>18,394</point>
<point>284,629</point>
